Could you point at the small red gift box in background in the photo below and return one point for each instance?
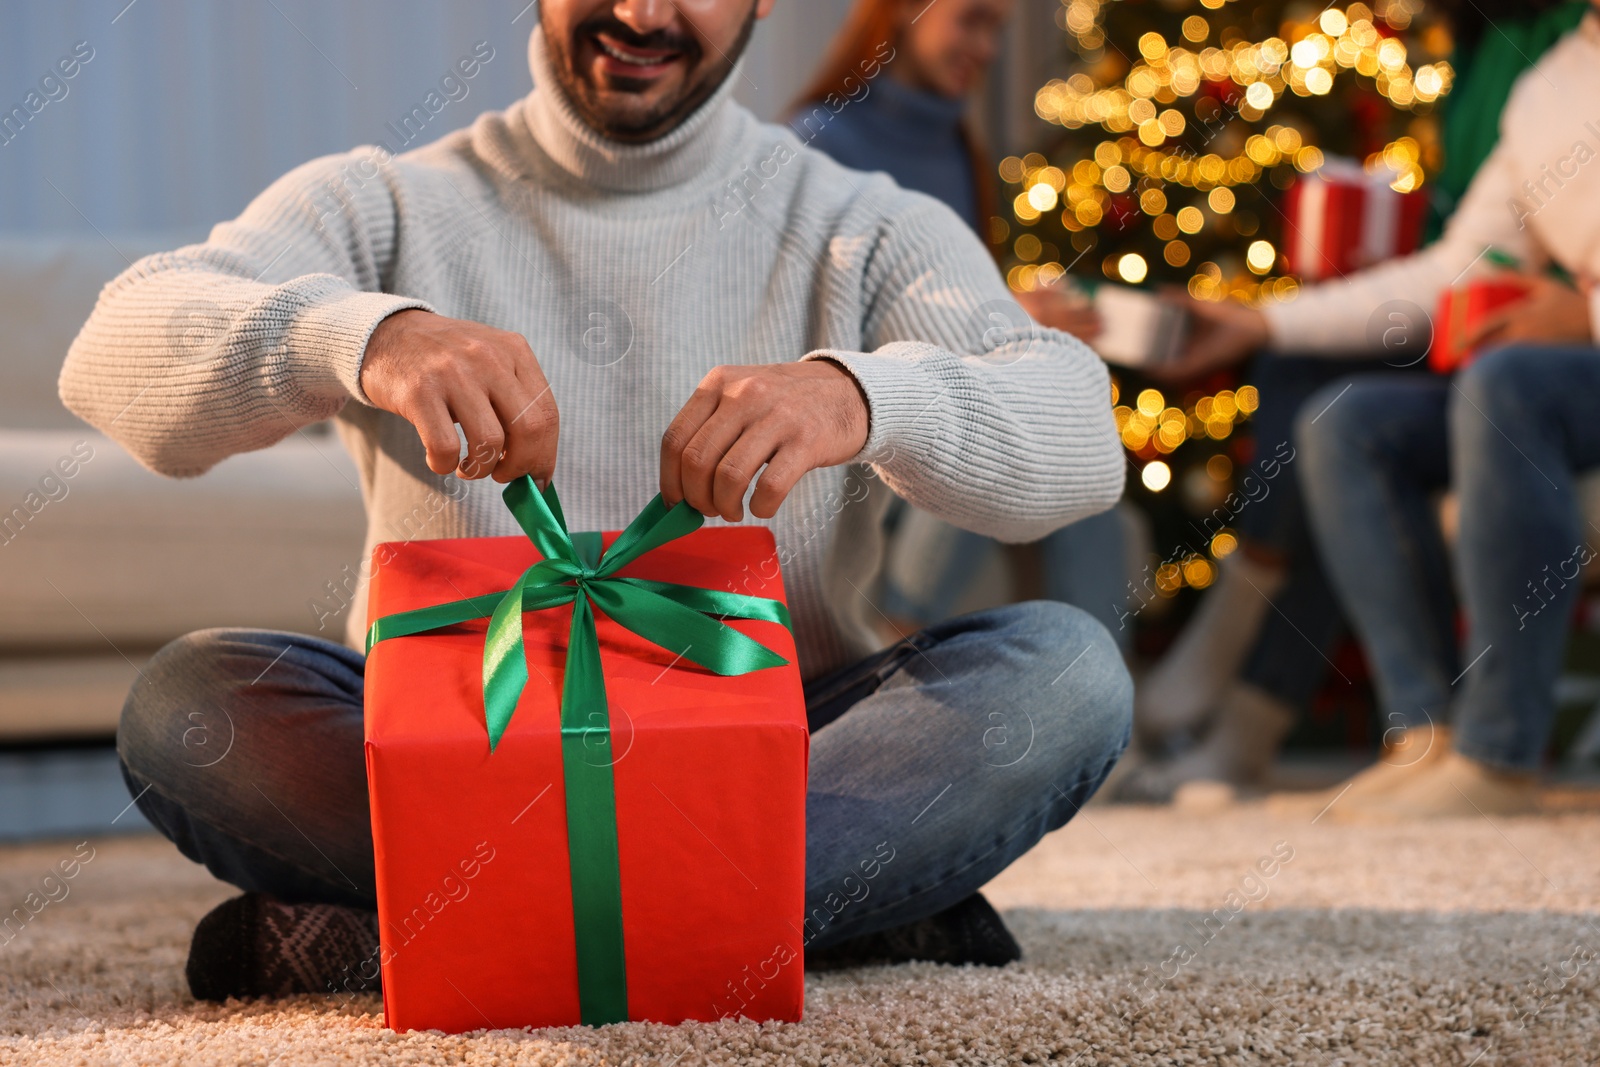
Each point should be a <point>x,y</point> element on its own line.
<point>1461,311</point>
<point>1342,218</point>
<point>482,890</point>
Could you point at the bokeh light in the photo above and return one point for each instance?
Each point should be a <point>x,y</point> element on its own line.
<point>1260,256</point>
<point>1156,476</point>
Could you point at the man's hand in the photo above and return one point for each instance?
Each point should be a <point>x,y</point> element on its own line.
<point>793,417</point>
<point>1552,311</point>
<point>1221,332</point>
<point>435,372</point>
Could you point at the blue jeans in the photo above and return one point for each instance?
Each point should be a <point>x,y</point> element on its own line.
<point>934,763</point>
<point>1289,658</point>
<point>1509,434</point>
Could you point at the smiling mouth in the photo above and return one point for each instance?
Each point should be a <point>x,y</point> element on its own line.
<point>627,60</point>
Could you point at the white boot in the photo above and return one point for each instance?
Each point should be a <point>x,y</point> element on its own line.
<point>1408,756</point>
<point>1453,787</point>
<point>1237,750</point>
<point>1190,679</point>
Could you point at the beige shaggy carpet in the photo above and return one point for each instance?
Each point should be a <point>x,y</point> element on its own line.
<point>1151,937</point>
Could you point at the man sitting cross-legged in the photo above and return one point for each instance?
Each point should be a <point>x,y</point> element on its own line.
<point>628,265</point>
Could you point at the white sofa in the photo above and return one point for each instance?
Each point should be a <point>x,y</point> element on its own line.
<point>102,561</point>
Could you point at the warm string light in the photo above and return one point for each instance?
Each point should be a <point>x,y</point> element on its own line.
<point>1402,156</point>
<point>1338,41</point>
<point>1150,427</point>
<point>1131,173</point>
<point>1145,167</point>
<point>1087,194</point>
<point>1117,165</point>
<point>1209,284</point>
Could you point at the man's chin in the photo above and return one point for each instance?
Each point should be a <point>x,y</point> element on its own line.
<point>638,109</point>
<point>619,93</point>
<point>629,116</point>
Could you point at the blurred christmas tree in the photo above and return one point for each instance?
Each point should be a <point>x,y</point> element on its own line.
<point>1182,122</point>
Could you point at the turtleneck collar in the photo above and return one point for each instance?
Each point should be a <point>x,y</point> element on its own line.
<point>575,147</point>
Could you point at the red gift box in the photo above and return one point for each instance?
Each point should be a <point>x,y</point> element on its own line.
<point>475,890</point>
<point>1461,310</point>
<point>1341,218</point>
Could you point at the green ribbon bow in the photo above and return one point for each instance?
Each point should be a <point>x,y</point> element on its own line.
<point>683,619</point>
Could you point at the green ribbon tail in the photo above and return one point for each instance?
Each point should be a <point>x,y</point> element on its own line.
<point>505,660</point>
<point>694,636</point>
<point>724,605</point>
<point>586,759</point>
<point>406,623</point>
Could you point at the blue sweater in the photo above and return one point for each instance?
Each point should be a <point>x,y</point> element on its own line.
<point>913,136</point>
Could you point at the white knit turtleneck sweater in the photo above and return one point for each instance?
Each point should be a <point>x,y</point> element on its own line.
<point>632,270</point>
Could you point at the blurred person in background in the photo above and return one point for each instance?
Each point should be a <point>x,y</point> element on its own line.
<point>1371,449</point>
<point>892,95</point>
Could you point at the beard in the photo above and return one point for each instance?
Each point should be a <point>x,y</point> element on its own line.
<point>633,124</point>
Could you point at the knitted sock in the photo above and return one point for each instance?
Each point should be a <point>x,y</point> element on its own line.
<point>1178,694</point>
<point>970,931</point>
<point>253,946</point>
<point>1238,749</point>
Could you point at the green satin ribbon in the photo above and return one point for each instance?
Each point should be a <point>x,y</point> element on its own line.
<point>683,619</point>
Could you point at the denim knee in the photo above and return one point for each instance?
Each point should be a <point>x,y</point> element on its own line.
<point>175,716</point>
<point>1497,386</point>
<point>1336,430</point>
<point>1327,424</point>
<point>1069,676</point>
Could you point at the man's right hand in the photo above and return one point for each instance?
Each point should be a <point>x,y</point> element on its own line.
<point>435,372</point>
<point>1221,332</point>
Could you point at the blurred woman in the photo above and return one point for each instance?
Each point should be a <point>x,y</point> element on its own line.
<point>892,95</point>
<point>1255,652</point>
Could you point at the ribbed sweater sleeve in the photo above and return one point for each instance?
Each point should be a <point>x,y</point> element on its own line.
<point>1001,429</point>
<point>230,346</point>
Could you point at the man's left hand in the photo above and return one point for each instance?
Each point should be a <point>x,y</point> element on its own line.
<point>790,417</point>
<point>1551,312</point>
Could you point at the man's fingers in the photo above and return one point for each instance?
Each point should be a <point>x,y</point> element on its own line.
<point>737,469</point>
<point>783,471</point>
<point>531,427</point>
<point>437,372</point>
<point>703,455</point>
<point>683,429</point>
<point>534,432</point>
<point>485,437</point>
<point>438,433</point>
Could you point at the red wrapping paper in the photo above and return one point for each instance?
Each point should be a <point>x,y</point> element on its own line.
<point>1341,219</point>
<point>474,891</point>
<point>1461,311</point>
